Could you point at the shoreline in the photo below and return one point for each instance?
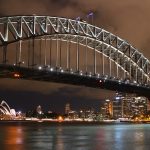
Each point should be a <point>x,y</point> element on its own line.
<point>75,122</point>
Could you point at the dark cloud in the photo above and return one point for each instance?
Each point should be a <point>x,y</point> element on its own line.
<point>64,3</point>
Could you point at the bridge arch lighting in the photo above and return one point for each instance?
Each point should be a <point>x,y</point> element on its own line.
<point>51,69</point>
<point>49,32</point>
<point>40,68</point>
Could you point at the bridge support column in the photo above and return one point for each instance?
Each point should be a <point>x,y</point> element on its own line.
<point>68,54</point>
<point>60,63</point>
<point>40,53</point>
<point>4,54</point>
<point>16,54</point>
<point>110,65</point>
<point>125,71</point>
<point>77,55</point>
<point>29,47</point>
<point>86,46</point>
<point>45,53</point>
<point>57,47</point>
<point>136,74</point>
<point>103,62</point>
<point>68,43</point>
<point>33,49</point>
<point>20,52</point>
<point>130,71</point>
<point>94,58</point>
<point>50,52</point>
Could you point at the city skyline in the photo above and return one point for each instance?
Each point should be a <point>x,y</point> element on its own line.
<point>123,107</point>
<point>55,104</point>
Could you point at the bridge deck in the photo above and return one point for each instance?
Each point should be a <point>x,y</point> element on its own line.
<point>74,78</point>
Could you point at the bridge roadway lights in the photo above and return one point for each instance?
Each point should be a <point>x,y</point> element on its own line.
<point>72,78</point>
<point>16,75</point>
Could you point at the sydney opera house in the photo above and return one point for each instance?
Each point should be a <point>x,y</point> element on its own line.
<point>6,112</point>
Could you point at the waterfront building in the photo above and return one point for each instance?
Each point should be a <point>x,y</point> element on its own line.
<point>129,105</point>
<point>6,112</point>
<point>39,109</point>
<point>90,114</point>
<point>139,106</point>
<point>39,112</point>
<point>86,114</point>
<point>67,108</point>
<point>134,106</point>
<point>127,101</point>
<point>148,105</point>
<point>73,115</point>
<point>106,109</point>
<point>82,114</point>
<point>117,106</point>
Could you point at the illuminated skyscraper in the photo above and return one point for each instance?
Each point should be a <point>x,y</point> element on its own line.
<point>67,108</point>
<point>139,106</point>
<point>117,106</point>
<point>148,105</point>
<point>106,110</point>
<point>129,105</point>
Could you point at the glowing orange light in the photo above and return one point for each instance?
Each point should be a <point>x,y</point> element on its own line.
<point>60,118</point>
<point>16,75</point>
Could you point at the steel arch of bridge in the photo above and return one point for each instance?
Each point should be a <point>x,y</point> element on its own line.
<point>136,67</point>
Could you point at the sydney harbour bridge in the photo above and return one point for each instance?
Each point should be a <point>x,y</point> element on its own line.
<point>70,51</point>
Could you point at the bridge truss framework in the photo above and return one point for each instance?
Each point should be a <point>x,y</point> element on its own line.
<point>105,54</point>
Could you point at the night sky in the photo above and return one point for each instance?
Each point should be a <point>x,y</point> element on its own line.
<point>128,19</point>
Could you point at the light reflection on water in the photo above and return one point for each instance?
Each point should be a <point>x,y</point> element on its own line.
<point>44,136</point>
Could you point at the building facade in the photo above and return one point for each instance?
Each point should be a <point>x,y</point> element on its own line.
<point>129,105</point>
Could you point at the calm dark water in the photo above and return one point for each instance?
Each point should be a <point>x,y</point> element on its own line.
<point>47,136</point>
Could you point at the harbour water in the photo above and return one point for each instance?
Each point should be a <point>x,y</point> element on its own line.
<point>73,136</point>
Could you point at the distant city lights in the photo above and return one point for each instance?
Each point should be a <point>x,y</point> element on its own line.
<point>16,75</point>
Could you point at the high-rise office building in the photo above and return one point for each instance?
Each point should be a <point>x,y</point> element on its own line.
<point>139,106</point>
<point>106,110</point>
<point>129,105</point>
<point>117,106</point>
<point>67,108</point>
<point>148,106</point>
